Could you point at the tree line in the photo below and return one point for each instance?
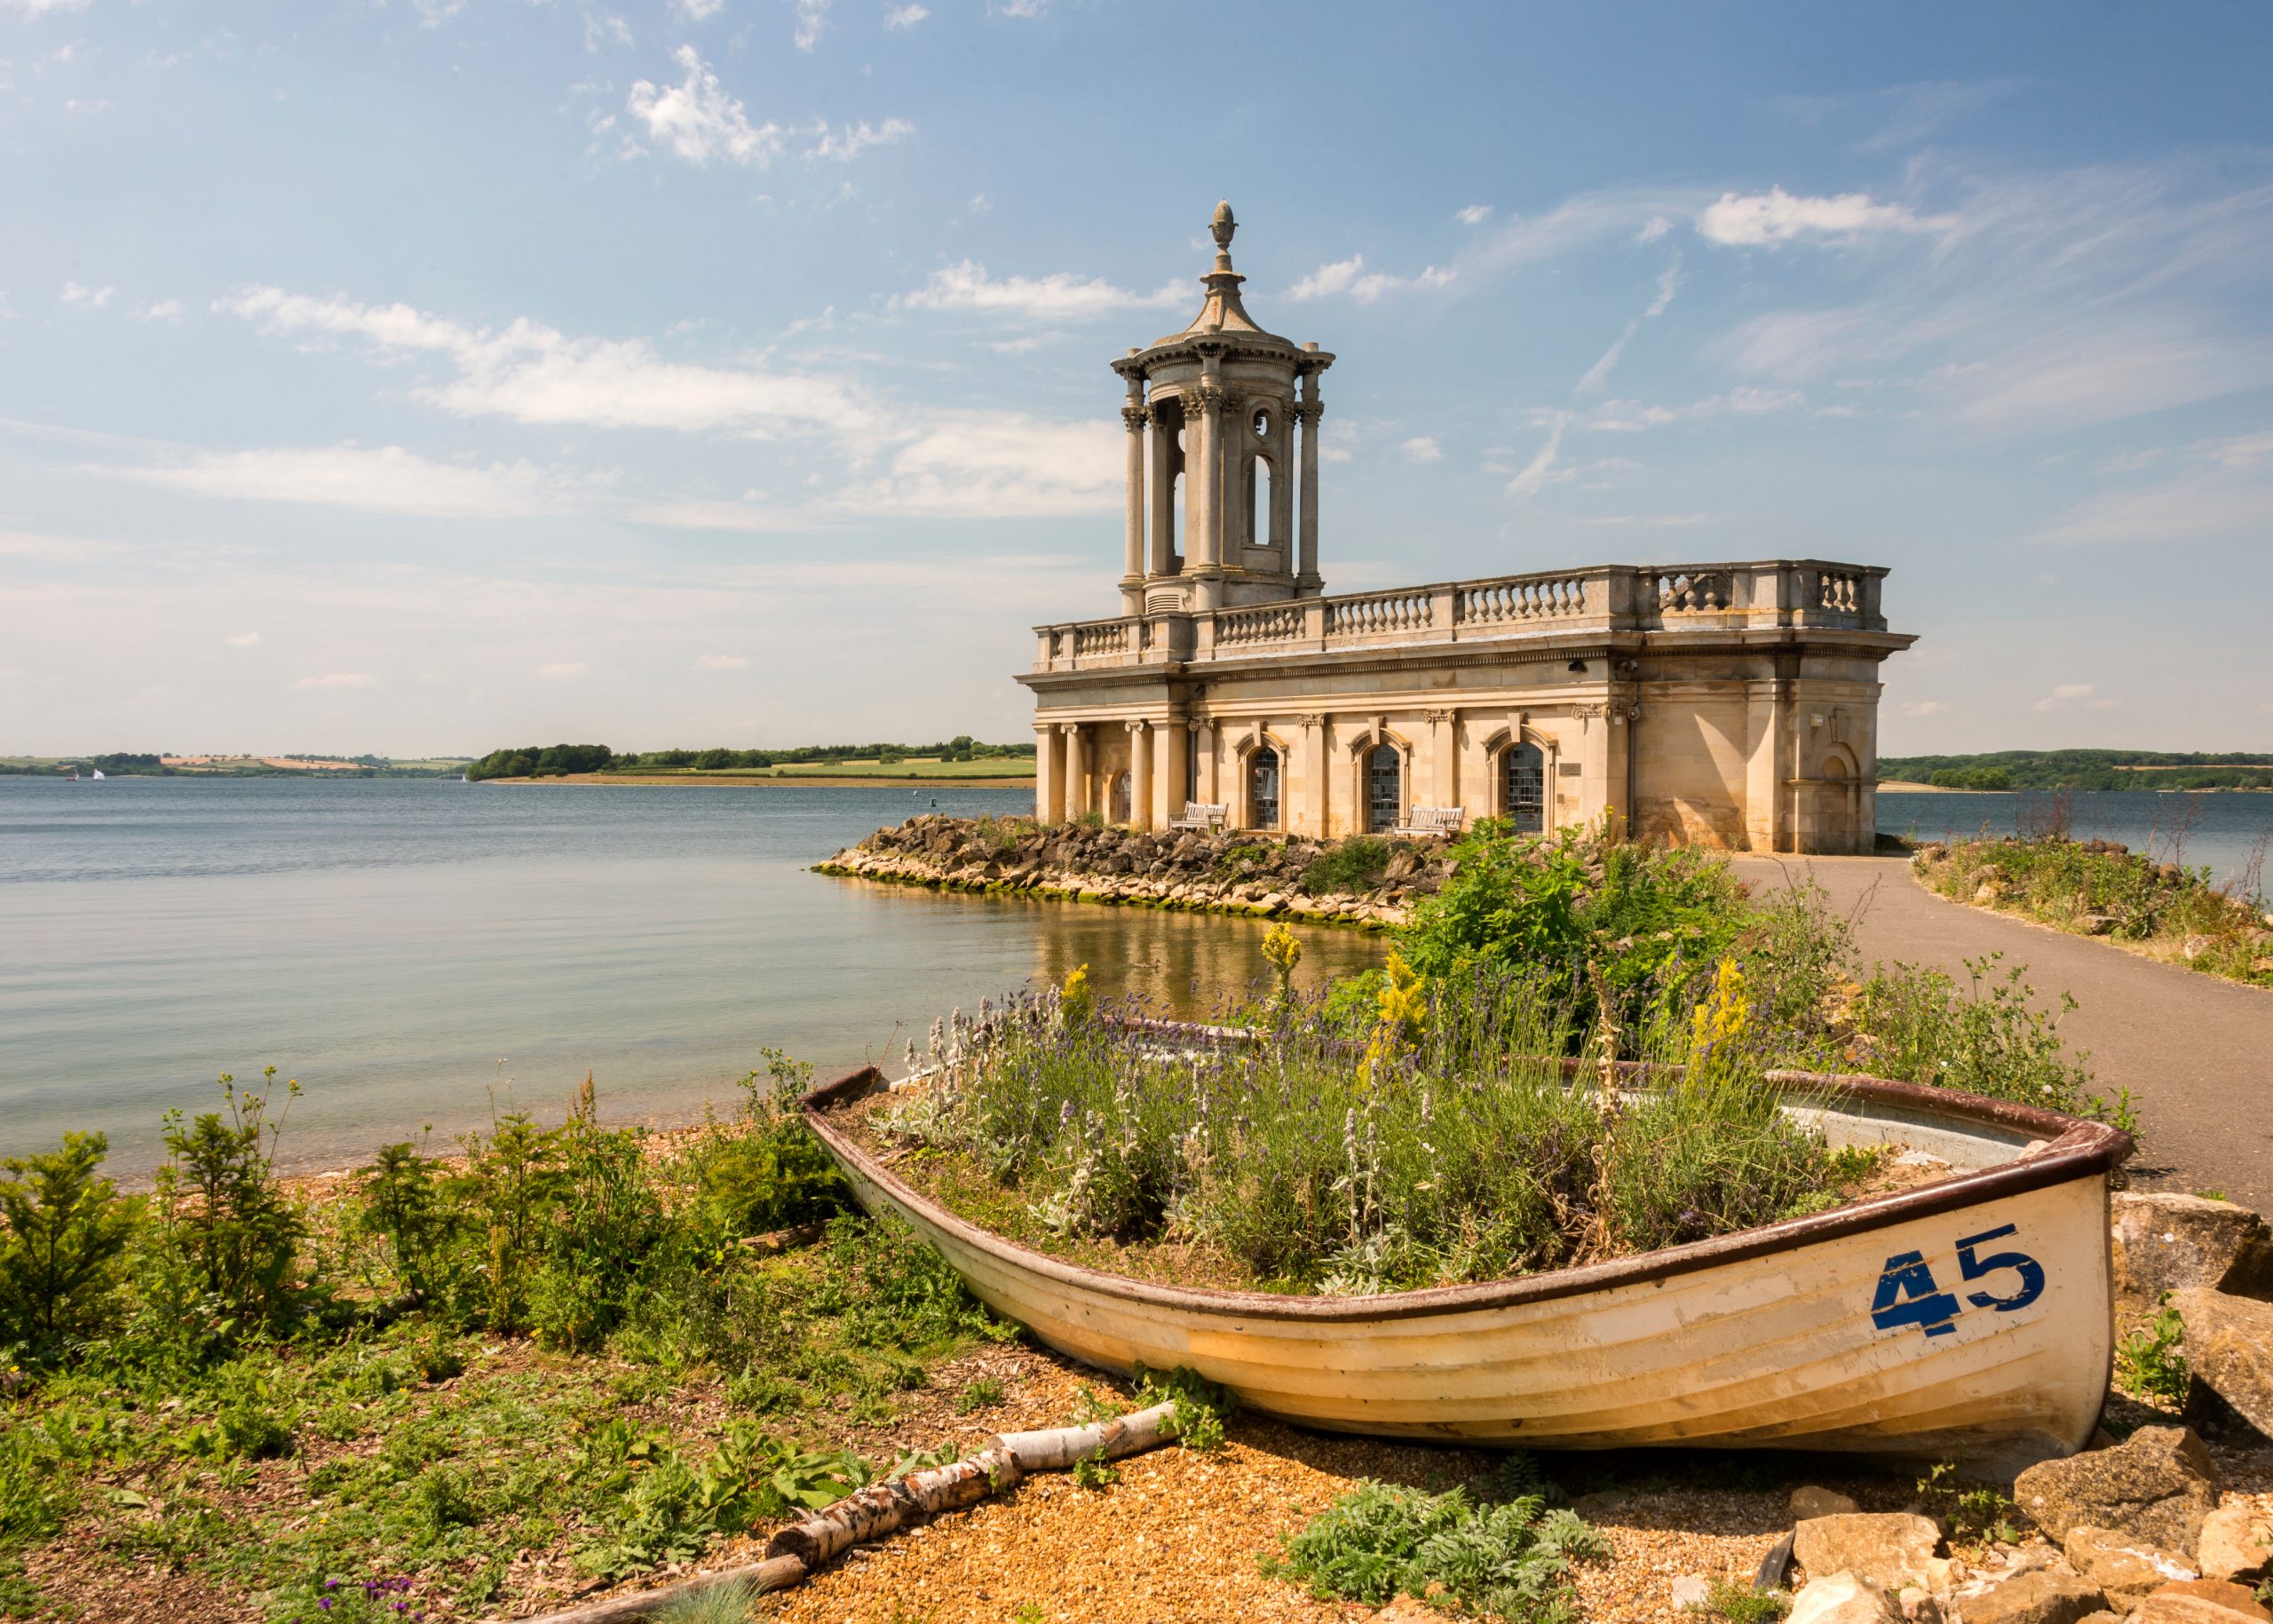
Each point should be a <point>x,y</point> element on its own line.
<point>2084,770</point>
<point>558,760</point>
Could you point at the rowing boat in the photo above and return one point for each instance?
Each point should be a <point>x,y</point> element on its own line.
<point>1968,1315</point>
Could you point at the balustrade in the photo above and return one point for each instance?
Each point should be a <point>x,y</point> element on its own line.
<point>1270,624</point>
<point>1687,591</point>
<point>1377,613</point>
<point>1541,597</point>
<point>1100,637</point>
<point>1839,591</point>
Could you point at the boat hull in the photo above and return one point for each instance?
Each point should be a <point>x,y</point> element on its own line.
<point>1969,1317</point>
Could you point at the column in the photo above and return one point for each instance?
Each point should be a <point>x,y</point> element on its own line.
<point>1203,484</point>
<point>1307,578</point>
<point>1203,739</point>
<point>1169,789</point>
<point>1077,774</point>
<point>1048,798</point>
<point>1444,746</point>
<point>1140,775</point>
<point>1132,573</point>
<point>1310,814</point>
<point>1164,454</point>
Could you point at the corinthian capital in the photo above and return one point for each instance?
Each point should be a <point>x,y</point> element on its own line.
<point>1136,418</point>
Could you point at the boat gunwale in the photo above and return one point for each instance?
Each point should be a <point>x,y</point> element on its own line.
<point>2073,1148</point>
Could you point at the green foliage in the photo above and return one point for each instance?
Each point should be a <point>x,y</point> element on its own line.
<point>1740,1603</point>
<point>1978,1513</point>
<point>2150,1361</point>
<point>225,1222</point>
<point>1095,1472</point>
<point>983,1394</point>
<point>541,761</point>
<point>2087,769</point>
<point>1201,1406</point>
<point>1380,1539</point>
<point>1983,1036</point>
<point>64,1231</point>
<point>1353,865</point>
<point>732,1603</point>
<point>1971,778</point>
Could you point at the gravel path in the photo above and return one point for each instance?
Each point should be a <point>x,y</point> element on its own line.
<point>2195,1052</point>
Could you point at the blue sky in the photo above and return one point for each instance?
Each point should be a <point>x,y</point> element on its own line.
<point>429,375</point>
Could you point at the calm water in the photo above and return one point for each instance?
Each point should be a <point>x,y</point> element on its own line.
<point>2218,831</point>
<point>408,949</point>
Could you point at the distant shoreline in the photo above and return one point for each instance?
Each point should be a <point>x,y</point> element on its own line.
<point>759,780</point>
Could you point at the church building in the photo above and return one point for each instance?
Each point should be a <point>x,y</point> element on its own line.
<point>1728,704</point>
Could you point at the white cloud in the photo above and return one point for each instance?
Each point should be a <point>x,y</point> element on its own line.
<point>700,10</point>
<point>535,374</point>
<point>904,16</point>
<point>1924,708</point>
<point>850,142</point>
<point>1474,214</point>
<point>372,479</point>
<point>41,8</point>
<point>698,121</point>
<point>77,297</point>
<point>164,310</point>
<point>1061,296</point>
<point>1763,219</point>
<point>1745,401</point>
<point>1021,8</point>
<point>1423,449</point>
<point>1652,521</point>
<point>1541,471</point>
<point>813,17</point>
<point>611,30</point>
<point>999,465</point>
<point>1654,227</point>
<point>2070,693</point>
<point>434,14</point>
<point>1349,276</point>
<point>1668,280</point>
<point>561,670</point>
<point>698,514</point>
<point>243,640</point>
<point>719,663</point>
<point>337,680</point>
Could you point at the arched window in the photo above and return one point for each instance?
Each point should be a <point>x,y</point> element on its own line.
<point>1258,503</point>
<point>1263,788</point>
<point>1120,798</point>
<point>1384,789</point>
<point>1523,768</point>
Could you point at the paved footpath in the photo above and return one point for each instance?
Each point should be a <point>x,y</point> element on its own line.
<point>2195,1052</point>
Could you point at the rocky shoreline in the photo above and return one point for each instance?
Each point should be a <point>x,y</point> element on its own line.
<point>1262,875</point>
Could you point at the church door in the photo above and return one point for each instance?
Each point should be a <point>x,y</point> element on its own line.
<point>1384,789</point>
<point>1524,791</point>
<point>1263,788</point>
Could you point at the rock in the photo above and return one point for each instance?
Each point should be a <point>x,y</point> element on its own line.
<point>2034,1596</point>
<point>1691,1589</point>
<point>2194,947</point>
<point>2201,1601</point>
<point>2096,924</point>
<point>1842,1599</point>
<point>2127,1570</point>
<point>2230,1349</point>
<point>2156,1486</point>
<point>1406,1609</point>
<point>1604,1502</point>
<point>2237,1543</point>
<point>1808,1500</point>
<point>1888,1549</point>
<point>1919,1606</point>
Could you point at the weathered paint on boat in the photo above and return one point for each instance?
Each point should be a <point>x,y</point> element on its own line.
<point>1966,1316</point>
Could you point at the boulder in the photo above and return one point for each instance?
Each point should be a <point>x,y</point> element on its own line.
<point>2237,1543</point>
<point>2127,1570</point>
<point>1842,1599</point>
<point>2158,1487</point>
<point>2230,1349</point>
<point>2201,1601</point>
<point>1888,1549</point>
<point>2168,1242</point>
<point>2034,1596</point>
<point>1690,1591</point>
<point>1808,1500</point>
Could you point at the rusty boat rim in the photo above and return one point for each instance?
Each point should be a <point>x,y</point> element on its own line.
<point>2072,1148</point>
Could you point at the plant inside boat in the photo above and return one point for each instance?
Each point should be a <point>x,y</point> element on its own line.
<point>1448,1144</point>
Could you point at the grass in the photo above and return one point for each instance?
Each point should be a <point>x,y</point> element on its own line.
<point>1006,768</point>
<point>2160,908</point>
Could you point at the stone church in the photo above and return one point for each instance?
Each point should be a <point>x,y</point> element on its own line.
<point>1730,704</point>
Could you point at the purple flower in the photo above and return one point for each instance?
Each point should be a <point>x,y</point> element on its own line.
<point>325,1603</point>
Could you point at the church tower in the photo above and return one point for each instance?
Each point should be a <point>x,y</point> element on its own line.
<point>1214,412</point>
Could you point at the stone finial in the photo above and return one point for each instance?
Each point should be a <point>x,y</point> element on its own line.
<point>1220,228</point>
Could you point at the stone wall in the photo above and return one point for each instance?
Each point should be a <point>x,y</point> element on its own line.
<point>1258,874</point>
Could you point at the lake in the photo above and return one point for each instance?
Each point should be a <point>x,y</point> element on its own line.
<point>414,950</point>
<point>2220,831</point>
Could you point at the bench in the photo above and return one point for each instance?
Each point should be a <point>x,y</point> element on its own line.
<point>1202,815</point>
<point>1431,820</point>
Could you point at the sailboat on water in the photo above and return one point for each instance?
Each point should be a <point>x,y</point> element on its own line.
<point>98,772</point>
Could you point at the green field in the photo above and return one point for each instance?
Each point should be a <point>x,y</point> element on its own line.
<point>927,766</point>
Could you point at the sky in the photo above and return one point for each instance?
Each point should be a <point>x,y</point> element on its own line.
<point>425,376</point>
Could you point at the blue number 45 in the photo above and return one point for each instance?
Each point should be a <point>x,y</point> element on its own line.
<point>1908,1294</point>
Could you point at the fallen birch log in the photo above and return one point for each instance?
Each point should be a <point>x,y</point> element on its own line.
<point>796,1553</point>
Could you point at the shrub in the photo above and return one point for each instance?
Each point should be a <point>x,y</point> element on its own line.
<point>224,1214</point>
<point>1983,1036</point>
<point>1355,864</point>
<point>2150,1362</point>
<point>64,1231</point>
<point>1381,1539</point>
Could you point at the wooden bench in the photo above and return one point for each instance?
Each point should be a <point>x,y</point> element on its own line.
<point>1431,820</point>
<point>1202,815</point>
